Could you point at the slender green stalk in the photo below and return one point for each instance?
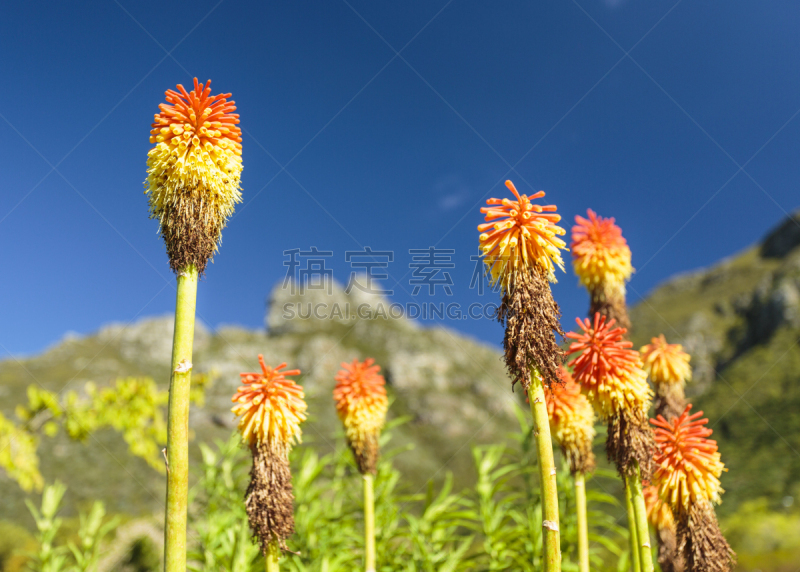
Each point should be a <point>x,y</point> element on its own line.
<point>547,473</point>
<point>272,557</point>
<point>636,565</point>
<point>178,423</point>
<point>369,523</point>
<point>583,524</point>
<point>642,530</point>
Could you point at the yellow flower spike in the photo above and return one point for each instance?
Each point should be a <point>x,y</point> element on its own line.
<point>193,172</point>
<point>688,469</point>
<point>659,514</point>
<point>688,465</point>
<point>600,254</point>
<point>666,363</point>
<point>361,403</point>
<point>271,407</point>
<point>520,236</point>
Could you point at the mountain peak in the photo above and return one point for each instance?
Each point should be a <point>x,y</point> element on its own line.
<point>783,239</point>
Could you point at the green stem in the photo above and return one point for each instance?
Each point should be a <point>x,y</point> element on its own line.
<point>547,473</point>
<point>178,423</point>
<point>583,524</point>
<point>369,523</point>
<point>272,557</point>
<point>642,530</point>
<point>634,544</point>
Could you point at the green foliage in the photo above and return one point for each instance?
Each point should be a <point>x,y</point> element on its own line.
<point>217,515</point>
<point>90,534</point>
<point>764,538</point>
<point>48,558</point>
<point>493,525</point>
<point>757,438</point>
<point>18,455</point>
<point>82,556</point>
<point>134,407</point>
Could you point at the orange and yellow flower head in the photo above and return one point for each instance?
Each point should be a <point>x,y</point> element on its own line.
<point>666,363</point>
<point>361,403</point>
<point>572,420</point>
<point>600,254</point>
<point>271,407</point>
<point>659,515</point>
<point>520,236</point>
<point>607,369</point>
<point>193,172</point>
<point>688,465</point>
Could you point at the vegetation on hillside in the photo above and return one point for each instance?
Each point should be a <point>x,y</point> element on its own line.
<point>487,526</point>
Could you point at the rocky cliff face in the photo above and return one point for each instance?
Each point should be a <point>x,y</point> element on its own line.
<point>453,389</point>
<point>740,320</point>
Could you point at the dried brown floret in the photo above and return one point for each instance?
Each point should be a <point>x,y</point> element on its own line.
<point>610,304</point>
<point>630,443</point>
<point>670,558</point>
<point>702,543</point>
<point>190,230</point>
<point>269,499</point>
<point>531,319</point>
<point>670,400</point>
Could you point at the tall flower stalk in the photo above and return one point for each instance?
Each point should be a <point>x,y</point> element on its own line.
<point>610,373</point>
<point>602,262</point>
<point>271,408</point>
<point>361,403</point>
<point>688,469</point>
<point>660,517</point>
<point>572,423</point>
<point>193,174</point>
<point>669,370</point>
<point>520,245</point>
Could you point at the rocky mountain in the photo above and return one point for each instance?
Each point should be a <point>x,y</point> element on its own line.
<point>740,320</point>
<point>453,389</point>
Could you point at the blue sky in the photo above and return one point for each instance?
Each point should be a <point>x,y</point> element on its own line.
<point>385,125</point>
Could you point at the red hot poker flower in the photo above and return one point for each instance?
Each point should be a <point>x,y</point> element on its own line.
<point>688,462</point>
<point>601,256</point>
<point>607,368</point>
<point>520,236</point>
<point>361,402</point>
<point>271,407</point>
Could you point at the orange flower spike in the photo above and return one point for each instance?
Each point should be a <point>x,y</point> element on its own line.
<point>271,406</point>
<point>360,396</point>
<point>519,236</point>
<point>572,421</point>
<point>666,363</point>
<point>195,114</point>
<point>567,407</point>
<point>194,171</point>
<point>600,254</point>
<point>607,368</point>
<point>688,465</point>
<point>659,515</point>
